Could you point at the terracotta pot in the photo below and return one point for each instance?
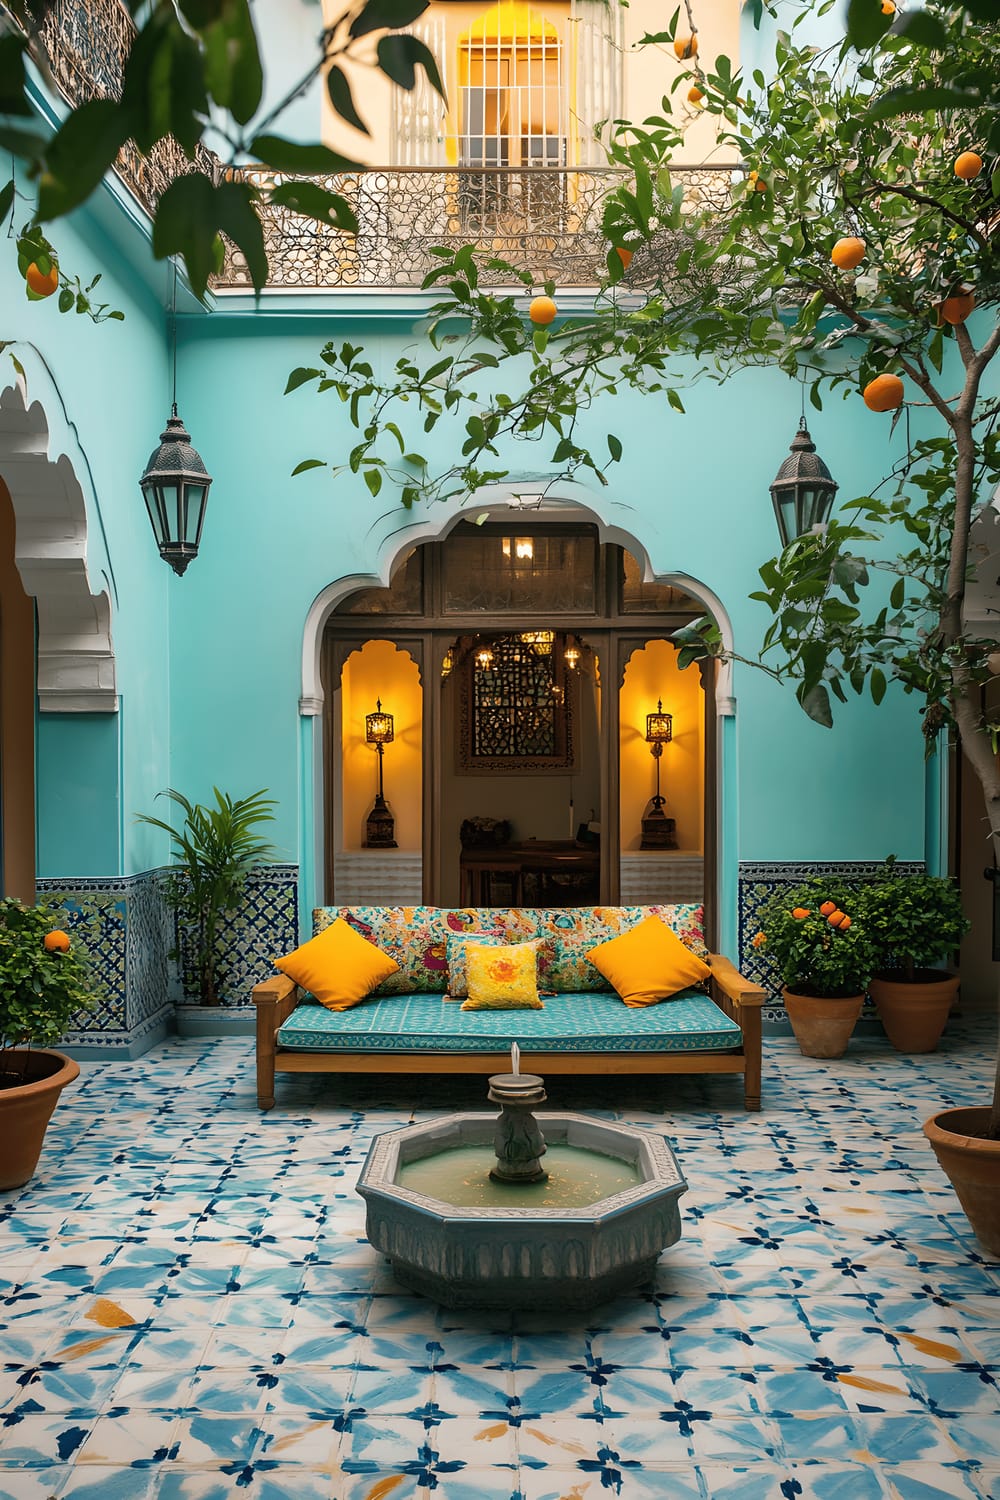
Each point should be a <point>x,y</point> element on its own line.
<point>822,1026</point>
<point>26,1108</point>
<point>972,1165</point>
<point>914,1012</point>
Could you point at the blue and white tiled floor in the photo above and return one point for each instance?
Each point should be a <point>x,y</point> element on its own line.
<point>190,1310</point>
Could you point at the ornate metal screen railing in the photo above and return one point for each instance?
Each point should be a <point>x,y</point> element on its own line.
<point>544,220</point>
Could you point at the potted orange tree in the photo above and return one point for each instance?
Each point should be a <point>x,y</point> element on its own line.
<point>825,955</point>
<point>44,982</point>
<point>915,921</point>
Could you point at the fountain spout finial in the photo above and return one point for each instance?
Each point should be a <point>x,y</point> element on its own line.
<point>515,1059</point>
<point>517,1140</point>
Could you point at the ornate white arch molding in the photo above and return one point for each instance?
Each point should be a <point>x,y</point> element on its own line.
<point>572,502</point>
<point>76,661</point>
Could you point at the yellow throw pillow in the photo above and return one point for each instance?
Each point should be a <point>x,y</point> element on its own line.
<point>502,978</point>
<point>338,966</point>
<point>648,963</point>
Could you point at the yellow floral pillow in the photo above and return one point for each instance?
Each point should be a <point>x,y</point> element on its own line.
<point>502,978</point>
<point>648,963</point>
<point>338,966</point>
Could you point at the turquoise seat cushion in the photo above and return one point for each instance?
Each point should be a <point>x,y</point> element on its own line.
<point>587,1022</point>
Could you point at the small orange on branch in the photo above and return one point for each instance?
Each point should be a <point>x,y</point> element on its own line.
<point>884,393</point>
<point>968,166</point>
<point>542,311</point>
<point>848,252</point>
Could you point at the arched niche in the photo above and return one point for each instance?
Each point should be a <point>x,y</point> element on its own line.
<point>379,672</point>
<point>76,661</point>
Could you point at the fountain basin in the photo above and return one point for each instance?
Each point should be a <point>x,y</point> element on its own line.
<point>522,1257</point>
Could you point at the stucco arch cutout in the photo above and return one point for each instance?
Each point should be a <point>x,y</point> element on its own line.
<point>76,661</point>
<point>574,504</point>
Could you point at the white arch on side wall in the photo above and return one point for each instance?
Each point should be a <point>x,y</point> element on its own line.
<point>76,660</point>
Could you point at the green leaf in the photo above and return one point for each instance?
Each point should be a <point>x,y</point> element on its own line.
<point>925,30</point>
<point>379,15</point>
<point>816,702</point>
<point>163,89</point>
<point>193,211</point>
<point>878,684</point>
<point>305,160</point>
<point>373,479</point>
<point>79,154</point>
<point>7,196</point>
<point>339,92</point>
<point>233,72</point>
<point>308,463</point>
<point>614,447</point>
<point>299,377</point>
<point>399,56</point>
<point>13,81</point>
<point>315,202</point>
<point>906,101</point>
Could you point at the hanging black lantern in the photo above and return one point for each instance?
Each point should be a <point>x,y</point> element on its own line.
<point>803,489</point>
<point>175,487</point>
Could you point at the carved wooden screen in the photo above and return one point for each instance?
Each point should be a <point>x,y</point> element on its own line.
<point>516,709</point>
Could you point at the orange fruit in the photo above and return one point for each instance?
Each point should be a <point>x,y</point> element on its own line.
<point>56,942</point>
<point>758,940</point>
<point>968,165</point>
<point>695,95</point>
<point>827,908</point>
<point>888,9</point>
<point>835,918</point>
<point>542,311</point>
<point>43,283</point>
<point>956,308</point>
<point>685,46</point>
<point>800,911</point>
<point>760,184</point>
<point>845,922</point>
<point>625,256</point>
<point>848,253</point>
<point>884,393</point>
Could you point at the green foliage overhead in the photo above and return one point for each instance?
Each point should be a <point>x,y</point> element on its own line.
<point>213,852</point>
<point>194,65</point>
<point>40,991</point>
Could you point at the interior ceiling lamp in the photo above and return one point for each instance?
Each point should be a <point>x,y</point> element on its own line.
<point>484,656</point>
<point>803,489</point>
<point>518,548</point>
<point>176,483</point>
<point>380,828</point>
<point>658,831</point>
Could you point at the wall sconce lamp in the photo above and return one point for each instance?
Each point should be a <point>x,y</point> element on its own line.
<point>447,662</point>
<point>657,829</point>
<point>803,489</point>
<point>484,656</point>
<point>379,830</point>
<point>175,484</point>
<point>573,653</point>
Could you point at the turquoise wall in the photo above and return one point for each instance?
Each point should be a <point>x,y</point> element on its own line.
<point>692,490</point>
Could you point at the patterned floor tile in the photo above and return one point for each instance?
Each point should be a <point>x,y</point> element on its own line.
<point>199,1317</point>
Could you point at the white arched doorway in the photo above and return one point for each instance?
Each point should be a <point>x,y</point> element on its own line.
<point>427,643</point>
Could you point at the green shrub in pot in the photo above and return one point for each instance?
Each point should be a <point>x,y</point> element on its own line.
<point>916,920</point>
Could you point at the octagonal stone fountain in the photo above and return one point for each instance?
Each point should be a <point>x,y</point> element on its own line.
<point>468,1215</point>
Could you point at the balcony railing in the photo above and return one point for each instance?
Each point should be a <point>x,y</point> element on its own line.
<point>543,220</point>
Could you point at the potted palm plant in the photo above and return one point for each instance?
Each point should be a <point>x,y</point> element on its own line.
<point>44,983</point>
<point>914,920</point>
<point>214,850</point>
<point>824,955</point>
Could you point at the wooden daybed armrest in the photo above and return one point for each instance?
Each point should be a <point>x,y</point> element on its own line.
<point>728,979</point>
<point>275,999</point>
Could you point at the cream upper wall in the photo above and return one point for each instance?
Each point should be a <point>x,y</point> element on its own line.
<point>647,72</point>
